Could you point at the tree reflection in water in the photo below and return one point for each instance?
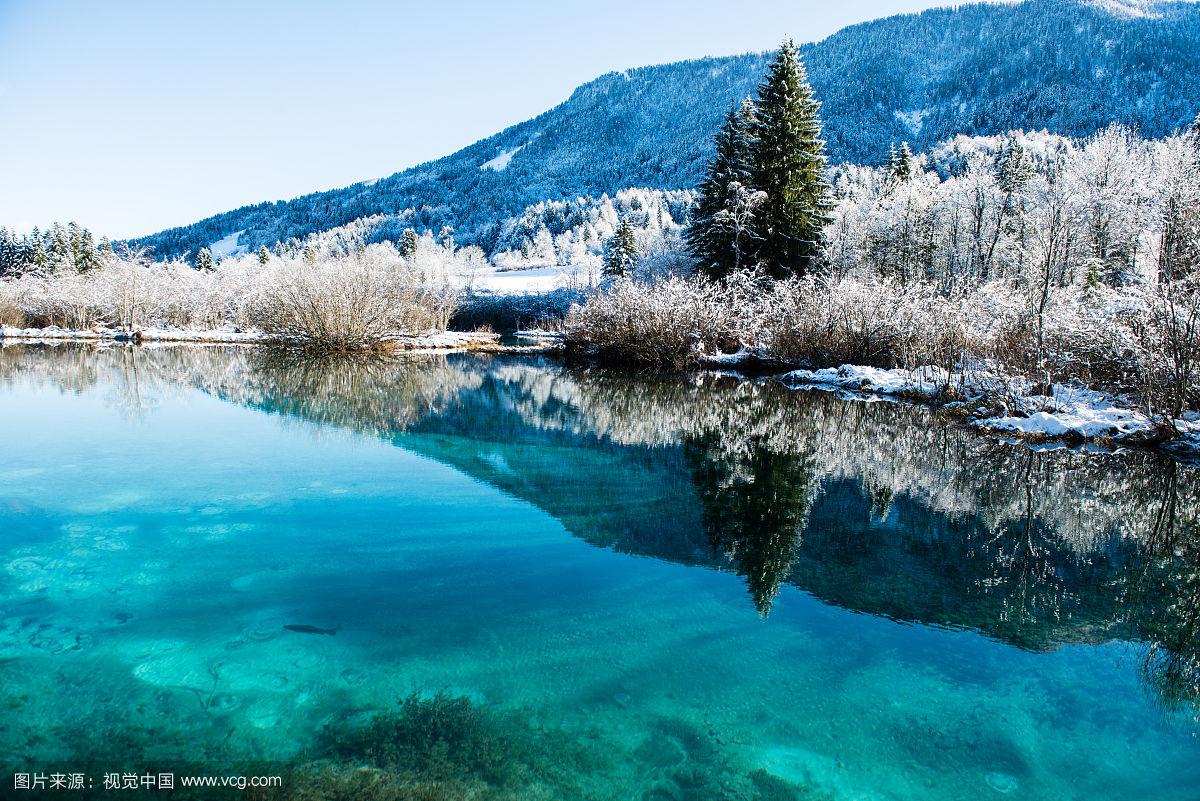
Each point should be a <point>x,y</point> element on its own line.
<point>878,507</point>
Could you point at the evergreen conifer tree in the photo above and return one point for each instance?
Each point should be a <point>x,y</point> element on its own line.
<point>87,257</point>
<point>10,252</point>
<point>787,157</point>
<point>263,255</point>
<point>711,244</point>
<point>620,253</point>
<point>204,260</point>
<point>900,163</point>
<point>408,243</point>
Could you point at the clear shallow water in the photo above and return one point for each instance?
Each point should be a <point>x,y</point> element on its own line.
<point>666,589</point>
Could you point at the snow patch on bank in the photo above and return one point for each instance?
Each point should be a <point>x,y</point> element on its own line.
<point>228,335</point>
<point>1006,404</point>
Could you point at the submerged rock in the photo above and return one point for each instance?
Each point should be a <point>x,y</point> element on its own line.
<point>1001,782</point>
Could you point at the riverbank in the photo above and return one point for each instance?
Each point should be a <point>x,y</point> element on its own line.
<point>1012,406</point>
<point>465,341</point>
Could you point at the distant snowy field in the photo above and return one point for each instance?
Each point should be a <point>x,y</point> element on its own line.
<point>522,282</point>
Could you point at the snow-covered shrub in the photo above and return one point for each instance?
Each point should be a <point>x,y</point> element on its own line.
<point>347,302</point>
<point>11,315</point>
<point>662,323</point>
<point>823,322</point>
<point>339,297</point>
<point>1170,339</point>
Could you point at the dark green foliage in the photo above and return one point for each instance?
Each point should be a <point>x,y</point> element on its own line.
<point>204,260</point>
<point>408,243</point>
<point>439,738</point>
<point>620,252</point>
<point>900,163</point>
<point>755,509</point>
<point>715,247</point>
<point>264,255</point>
<point>68,246</point>
<point>441,747</point>
<point>787,157</point>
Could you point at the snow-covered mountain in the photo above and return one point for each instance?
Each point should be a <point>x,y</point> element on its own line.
<point>1069,66</point>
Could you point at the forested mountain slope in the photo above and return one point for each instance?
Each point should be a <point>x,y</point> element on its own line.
<point>1068,66</point>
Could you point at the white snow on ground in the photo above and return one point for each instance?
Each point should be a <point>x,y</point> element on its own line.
<point>999,403</point>
<point>539,334</point>
<point>500,163</point>
<point>1072,410</point>
<point>228,334</point>
<point>439,340</point>
<point>924,382</point>
<point>516,282</point>
<point>228,246</point>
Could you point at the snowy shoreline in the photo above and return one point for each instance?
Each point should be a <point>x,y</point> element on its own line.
<point>437,341</point>
<point>1068,414</point>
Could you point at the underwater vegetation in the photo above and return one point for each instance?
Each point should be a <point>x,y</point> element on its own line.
<point>444,747</point>
<point>630,587</point>
<point>447,747</point>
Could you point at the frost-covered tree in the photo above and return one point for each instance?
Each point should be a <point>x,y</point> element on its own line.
<point>1177,166</point>
<point>715,246</point>
<point>900,162</point>
<point>204,260</point>
<point>788,163</point>
<point>1111,181</point>
<point>264,255</point>
<point>621,252</point>
<point>736,223</point>
<point>408,243</point>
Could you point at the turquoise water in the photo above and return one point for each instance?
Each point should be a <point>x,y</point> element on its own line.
<point>663,588</point>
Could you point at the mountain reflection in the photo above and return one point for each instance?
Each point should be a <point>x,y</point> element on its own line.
<point>881,508</point>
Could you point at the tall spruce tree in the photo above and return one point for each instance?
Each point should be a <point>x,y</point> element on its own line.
<point>408,243</point>
<point>787,157</point>
<point>900,163</point>
<point>204,260</point>
<point>715,247</point>
<point>620,252</point>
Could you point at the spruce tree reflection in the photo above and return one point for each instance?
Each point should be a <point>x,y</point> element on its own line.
<point>755,508</point>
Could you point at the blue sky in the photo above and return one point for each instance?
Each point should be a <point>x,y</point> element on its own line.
<point>134,116</point>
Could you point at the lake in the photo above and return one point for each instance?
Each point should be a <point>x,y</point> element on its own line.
<point>584,584</point>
